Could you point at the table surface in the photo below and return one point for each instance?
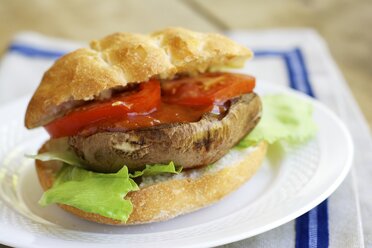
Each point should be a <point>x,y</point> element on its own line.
<point>340,22</point>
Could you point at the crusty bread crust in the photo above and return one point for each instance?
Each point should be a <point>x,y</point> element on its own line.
<point>123,58</point>
<point>179,195</point>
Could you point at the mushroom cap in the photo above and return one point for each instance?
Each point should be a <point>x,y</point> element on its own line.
<point>190,145</point>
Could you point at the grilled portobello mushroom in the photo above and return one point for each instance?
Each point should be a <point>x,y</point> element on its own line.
<point>187,144</point>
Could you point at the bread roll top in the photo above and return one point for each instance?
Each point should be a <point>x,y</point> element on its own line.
<point>122,58</point>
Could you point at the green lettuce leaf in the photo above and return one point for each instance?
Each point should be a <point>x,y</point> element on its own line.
<point>99,193</point>
<point>285,118</point>
<point>58,149</point>
<point>71,158</point>
<point>67,157</point>
<point>92,192</point>
<point>156,169</point>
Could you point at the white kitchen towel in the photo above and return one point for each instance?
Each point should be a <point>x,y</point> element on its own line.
<point>296,58</point>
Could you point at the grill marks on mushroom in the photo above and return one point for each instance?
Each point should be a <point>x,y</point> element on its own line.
<point>187,144</point>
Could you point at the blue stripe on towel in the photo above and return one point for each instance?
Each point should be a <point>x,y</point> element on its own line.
<point>323,231</point>
<point>312,227</point>
<point>31,51</point>
<point>317,218</point>
<point>302,231</point>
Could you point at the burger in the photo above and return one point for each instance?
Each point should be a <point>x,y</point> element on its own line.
<point>144,128</point>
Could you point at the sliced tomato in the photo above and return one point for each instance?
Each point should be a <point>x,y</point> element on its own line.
<point>207,88</point>
<point>146,100</point>
<point>196,93</point>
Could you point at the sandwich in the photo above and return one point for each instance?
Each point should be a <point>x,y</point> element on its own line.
<point>144,128</point>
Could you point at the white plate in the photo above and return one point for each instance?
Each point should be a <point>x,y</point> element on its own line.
<point>282,190</point>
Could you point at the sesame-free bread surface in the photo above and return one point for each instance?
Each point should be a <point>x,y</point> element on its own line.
<point>124,58</point>
<point>161,199</point>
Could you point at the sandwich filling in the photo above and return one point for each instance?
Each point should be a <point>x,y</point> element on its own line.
<point>284,119</point>
<point>182,100</point>
<point>192,121</point>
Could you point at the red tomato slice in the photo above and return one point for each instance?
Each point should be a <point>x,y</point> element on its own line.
<point>207,88</point>
<point>147,99</point>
